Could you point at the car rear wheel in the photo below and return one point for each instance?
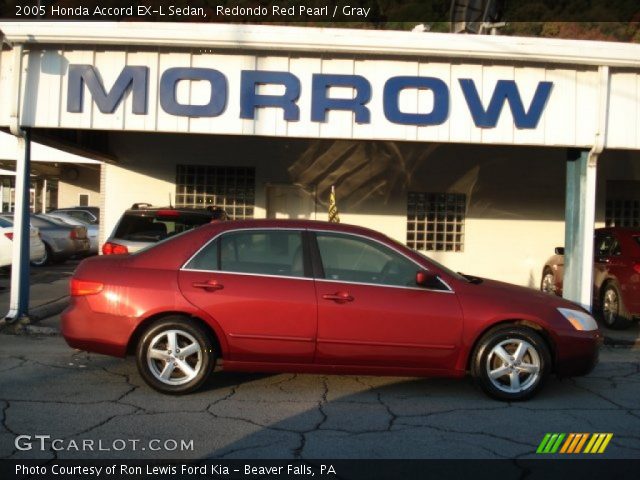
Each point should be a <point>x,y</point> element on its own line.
<point>175,355</point>
<point>548,283</point>
<point>46,259</point>
<point>614,314</point>
<point>511,363</point>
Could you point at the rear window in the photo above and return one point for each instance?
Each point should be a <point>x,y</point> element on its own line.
<point>153,228</point>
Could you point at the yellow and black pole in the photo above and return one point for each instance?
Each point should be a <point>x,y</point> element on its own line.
<point>333,208</point>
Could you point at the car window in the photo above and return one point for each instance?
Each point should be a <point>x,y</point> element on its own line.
<point>5,223</point>
<point>206,259</point>
<point>153,228</point>
<point>606,245</point>
<point>277,252</point>
<point>354,259</point>
<point>80,215</point>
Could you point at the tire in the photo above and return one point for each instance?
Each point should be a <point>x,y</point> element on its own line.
<point>164,370</point>
<point>511,380</point>
<point>613,313</point>
<point>548,282</point>
<point>46,260</point>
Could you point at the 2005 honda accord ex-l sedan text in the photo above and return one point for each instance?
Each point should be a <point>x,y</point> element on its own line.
<point>305,296</point>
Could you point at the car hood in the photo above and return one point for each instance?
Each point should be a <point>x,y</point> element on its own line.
<point>517,294</point>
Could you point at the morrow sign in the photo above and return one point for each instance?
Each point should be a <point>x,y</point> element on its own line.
<point>136,80</point>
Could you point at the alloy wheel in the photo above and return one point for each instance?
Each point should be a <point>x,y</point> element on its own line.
<point>174,357</point>
<point>513,365</point>
<point>610,306</point>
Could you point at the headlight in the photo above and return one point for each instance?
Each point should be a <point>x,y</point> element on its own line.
<point>580,320</point>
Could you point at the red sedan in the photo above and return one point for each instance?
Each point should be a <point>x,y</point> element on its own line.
<point>304,296</point>
<point>616,275</point>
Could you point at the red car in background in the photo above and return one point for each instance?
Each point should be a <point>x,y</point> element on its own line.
<point>616,275</point>
<point>316,297</point>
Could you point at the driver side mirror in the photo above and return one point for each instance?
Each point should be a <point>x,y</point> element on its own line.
<point>426,279</point>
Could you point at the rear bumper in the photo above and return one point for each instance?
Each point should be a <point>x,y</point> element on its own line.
<point>95,332</point>
<point>578,353</point>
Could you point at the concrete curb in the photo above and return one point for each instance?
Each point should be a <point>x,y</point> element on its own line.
<point>36,314</point>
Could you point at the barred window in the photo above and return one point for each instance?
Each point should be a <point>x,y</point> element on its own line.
<point>232,188</point>
<point>622,207</point>
<point>622,213</point>
<point>435,221</point>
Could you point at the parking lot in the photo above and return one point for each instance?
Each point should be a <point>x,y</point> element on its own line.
<point>93,406</point>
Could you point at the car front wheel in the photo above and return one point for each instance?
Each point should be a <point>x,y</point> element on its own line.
<point>175,355</point>
<point>614,314</point>
<point>511,363</point>
<point>548,283</point>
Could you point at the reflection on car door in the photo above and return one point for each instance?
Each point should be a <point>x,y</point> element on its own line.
<point>371,312</point>
<point>254,284</point>
<point>606,257</point>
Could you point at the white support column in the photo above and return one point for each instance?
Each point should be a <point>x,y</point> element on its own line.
<point>579,226</point>
<point>44,196</point>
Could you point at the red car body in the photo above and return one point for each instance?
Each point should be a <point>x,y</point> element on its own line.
<point>272,323</point>
<point>616,264</point>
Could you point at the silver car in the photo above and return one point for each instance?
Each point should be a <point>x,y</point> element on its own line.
<point>92,228</point>
<point>61,240</point>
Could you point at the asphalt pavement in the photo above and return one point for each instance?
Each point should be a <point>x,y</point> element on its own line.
<point>75,397</point>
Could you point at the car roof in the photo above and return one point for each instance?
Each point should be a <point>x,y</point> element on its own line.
<point>295,224</point>
<point>631,230</point>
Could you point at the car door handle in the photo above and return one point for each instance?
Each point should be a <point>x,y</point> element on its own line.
<point>338,297</point>
<point>209,286</point>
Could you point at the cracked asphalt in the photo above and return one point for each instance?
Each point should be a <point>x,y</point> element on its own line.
<point>47,388</point>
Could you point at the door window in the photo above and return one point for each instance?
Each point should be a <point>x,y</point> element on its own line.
<point>606,246</point>
<point>276,252</point>
<point>354,259</point>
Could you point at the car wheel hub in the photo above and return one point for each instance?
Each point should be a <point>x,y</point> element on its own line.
<point>513,365</point>
<point>174,357</point>
<point>610,306</point>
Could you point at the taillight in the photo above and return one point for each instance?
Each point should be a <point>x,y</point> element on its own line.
<point>73,234</point>
<point>636,266</point>
<point>110,248</point>
<point>85,287</point>
<point>167,213</point>
<point>9,235</point>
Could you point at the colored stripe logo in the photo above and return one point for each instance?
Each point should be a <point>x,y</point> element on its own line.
<point>574,443</point>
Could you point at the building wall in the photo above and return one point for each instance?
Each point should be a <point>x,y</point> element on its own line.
<point>70,187</point>
<point>515,195</point>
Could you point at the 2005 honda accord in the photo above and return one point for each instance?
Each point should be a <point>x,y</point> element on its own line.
<point>305,296</point>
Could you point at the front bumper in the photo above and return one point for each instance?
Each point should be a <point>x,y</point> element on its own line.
<point>577,353</point>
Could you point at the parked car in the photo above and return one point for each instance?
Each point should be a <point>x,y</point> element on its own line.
<point>89,215</point>
<point>36,247</point>
<point>616,275</point>
<point>317,297</point>
<point>93,229</point>
<point>61,240</point>
<point>143,225</point>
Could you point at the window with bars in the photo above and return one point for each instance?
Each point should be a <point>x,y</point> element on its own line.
<point>622,206</point>
<point>232,188</point>
<point>622,213</point>
<point>435,221</point>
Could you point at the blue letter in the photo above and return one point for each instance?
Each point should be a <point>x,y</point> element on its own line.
<point>320,104</point>
<point>505,90</point>
<point>217,102</point>
<point>438,114</point>
<point>134,77</point>
<point>250,100</point>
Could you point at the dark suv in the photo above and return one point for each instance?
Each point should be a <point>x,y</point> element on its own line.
<point>143,225</point>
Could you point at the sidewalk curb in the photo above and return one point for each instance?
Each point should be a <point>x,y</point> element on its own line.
<point>37,314</point>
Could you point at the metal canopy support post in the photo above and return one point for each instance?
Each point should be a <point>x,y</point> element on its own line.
<point>579,225</point>
<point>19,299</point>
